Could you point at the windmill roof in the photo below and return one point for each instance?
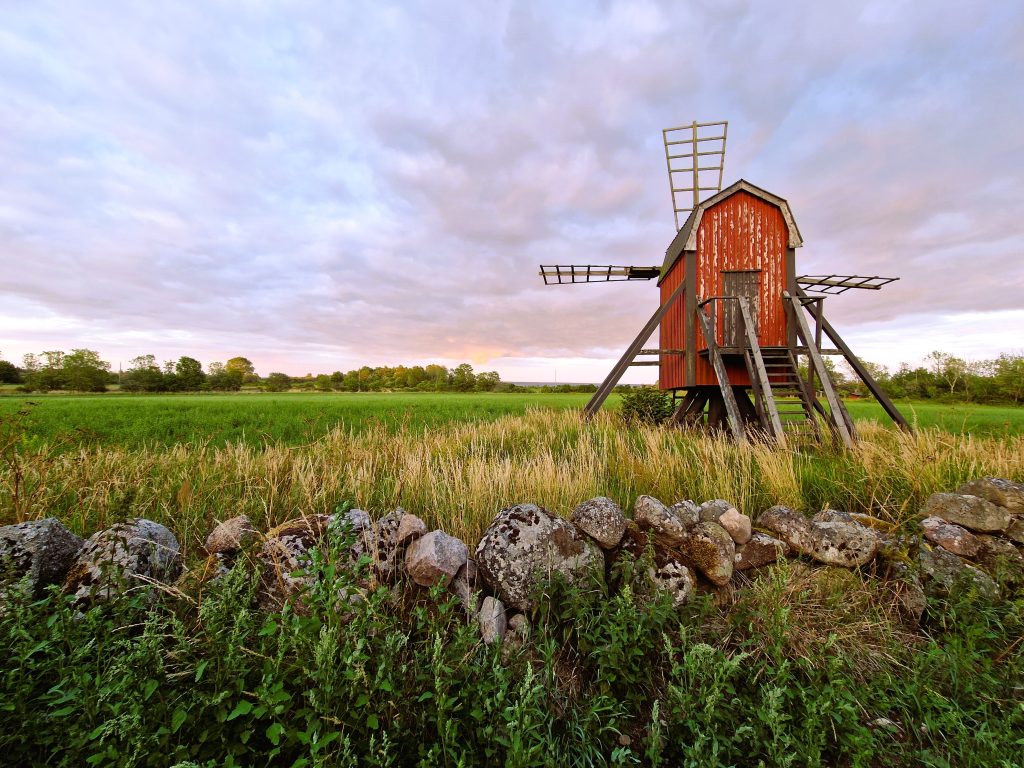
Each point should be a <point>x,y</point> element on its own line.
<point>686,237</point>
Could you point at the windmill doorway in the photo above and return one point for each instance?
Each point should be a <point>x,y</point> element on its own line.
<point>744,283</point>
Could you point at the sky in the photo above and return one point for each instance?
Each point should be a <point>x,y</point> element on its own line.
<point>323,185</point>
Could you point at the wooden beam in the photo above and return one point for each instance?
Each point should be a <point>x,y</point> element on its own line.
<point>630,354</point>
<point>861,371</point>
<point>763,388</point>
<point>835,406</point>
<point>732,409</point>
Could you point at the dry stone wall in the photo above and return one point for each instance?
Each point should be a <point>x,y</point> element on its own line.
<point>975,534</point>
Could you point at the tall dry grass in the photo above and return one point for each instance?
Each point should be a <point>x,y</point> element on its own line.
<point>459,475</point>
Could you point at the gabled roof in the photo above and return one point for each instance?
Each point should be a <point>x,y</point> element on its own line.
<point>686,238</point>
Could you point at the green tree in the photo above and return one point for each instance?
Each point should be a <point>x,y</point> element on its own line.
<point>244,367</point>
<point>487,381</point>
<point>44,373</point>
<point>189,373</point>
<point>223,380</point>
<point>277,382</point>
<point>84,371</point>
<point>9,373</point>
<point>143,375</point>
<point>1008,373</point>
<point>462,378</point>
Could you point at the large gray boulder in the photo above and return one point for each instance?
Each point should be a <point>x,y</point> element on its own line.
<point>129,555</point>
<point>651,515</point>
<point>524,545</point>
<point>435,559</point>
<point>969,511</point>
<point>940,570</point>
<point>602,520</point>
<point>39,551</point>
<point>686,512</point>
<point>950,536</point>
<point>999,491</point>
<point>710,549</point>
<point>833,543</point>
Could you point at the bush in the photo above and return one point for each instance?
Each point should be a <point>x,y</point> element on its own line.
<point>646,405</point>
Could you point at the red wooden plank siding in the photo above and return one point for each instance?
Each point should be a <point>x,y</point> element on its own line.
<point>740,232</point>
<point>672,374</point>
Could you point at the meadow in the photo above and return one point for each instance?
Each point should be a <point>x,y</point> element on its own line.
<point>455,460</point>
<point>798,666</point>
<point>136,421</point>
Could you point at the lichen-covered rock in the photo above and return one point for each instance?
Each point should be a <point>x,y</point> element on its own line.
<point>686,512</point>
<point>232,535</point>
<point>726,515</point>
<point>132,554</point>
<point>829,515</point>
<point>391,534</point>
<point>524,545</point>
<point>833,543</point>
<point>940,570</point>
<point>602,520</point>
<point>356,519</point>
<point>1001,559</point>
<point>285,557</point>
<point>951,537</point>
<point>998,490</point>
<point>1015,530</point>
<point>712,509</point>
<point>492,620</point>
<point>969,511</point>
<point>39,551</point>
<point>650,514</point>
<point>435,558</point>
<point>759,551</point>
<point>709,549</point>
<point>676,579</point>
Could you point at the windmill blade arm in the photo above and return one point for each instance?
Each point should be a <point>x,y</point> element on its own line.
<point>567,274</point>
<point>836,284</point>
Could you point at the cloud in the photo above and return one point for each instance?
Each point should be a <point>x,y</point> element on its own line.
<point>327,185</point>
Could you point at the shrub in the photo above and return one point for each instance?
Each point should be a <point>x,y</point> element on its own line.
<point>646,405</point>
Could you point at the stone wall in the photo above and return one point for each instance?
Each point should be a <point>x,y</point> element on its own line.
<point>975,534</point>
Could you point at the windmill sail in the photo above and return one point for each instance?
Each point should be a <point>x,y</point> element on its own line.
<point>695,155</point>
<point>835,284</point>
<point>566,274</point>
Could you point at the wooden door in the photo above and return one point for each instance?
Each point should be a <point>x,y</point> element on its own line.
<point>745,283</point>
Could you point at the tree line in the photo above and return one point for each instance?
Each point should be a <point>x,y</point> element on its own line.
<point>83,370</point>
<point>943,377</point>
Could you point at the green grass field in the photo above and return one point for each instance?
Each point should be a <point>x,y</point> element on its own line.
<point>294,419</point>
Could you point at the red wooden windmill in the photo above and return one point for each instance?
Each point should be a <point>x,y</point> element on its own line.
<point>737,325</point>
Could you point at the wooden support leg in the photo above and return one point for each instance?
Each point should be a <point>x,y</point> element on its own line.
<point>691,409</point>
<point>861,371</point>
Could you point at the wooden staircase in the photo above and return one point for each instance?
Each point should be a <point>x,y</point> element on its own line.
<point>786,406</point>
<point>787,392</point>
